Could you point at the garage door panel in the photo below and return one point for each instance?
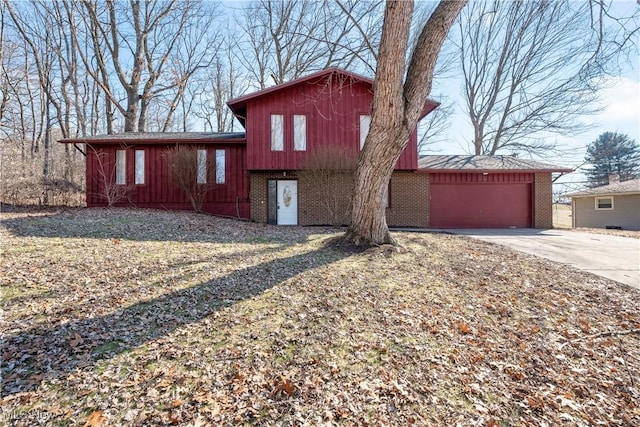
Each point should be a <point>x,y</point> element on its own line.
<point>480,205</point>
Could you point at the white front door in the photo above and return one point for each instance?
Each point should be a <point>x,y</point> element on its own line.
<point>287,202</point>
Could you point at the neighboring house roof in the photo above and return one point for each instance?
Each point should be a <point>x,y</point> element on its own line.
<point>625,187</point>
<point>160,138</point>
<point>484,164</point>
<point>239,105</point>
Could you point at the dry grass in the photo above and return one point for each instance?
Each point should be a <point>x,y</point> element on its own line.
<point>561,216</point>
<point>134,317</point>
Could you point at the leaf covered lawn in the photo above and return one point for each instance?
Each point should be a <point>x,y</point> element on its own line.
<point>137,317</point>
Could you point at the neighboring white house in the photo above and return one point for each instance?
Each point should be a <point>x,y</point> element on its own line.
<point>616,205</point>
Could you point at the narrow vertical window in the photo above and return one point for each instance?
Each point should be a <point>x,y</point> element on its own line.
<point>202,167</point>
<point>299,133</point>
<point>139,167</point>
<point>277,132</point>
<point>365,123</point>
<point>220,167</point>
<point>121,167</point>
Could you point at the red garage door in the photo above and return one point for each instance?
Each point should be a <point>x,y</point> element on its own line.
<point>480,205</point>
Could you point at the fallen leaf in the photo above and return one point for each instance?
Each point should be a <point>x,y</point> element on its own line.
<point>76,340</point>
<point>174,417</point>
<point>477,358</point>
<point>95,419</point>
<point>534,403</point>
<point>284,386</point>
<point>463,327</point>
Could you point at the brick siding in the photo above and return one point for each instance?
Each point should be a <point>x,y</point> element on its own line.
<point>409,194</point>
<point>258,192</point>
<point>543,201</point>
<point>409,205</point>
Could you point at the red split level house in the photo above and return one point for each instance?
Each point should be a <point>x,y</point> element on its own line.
<point>276,171</point>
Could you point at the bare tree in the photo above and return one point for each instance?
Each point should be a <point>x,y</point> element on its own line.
<point>433,128</point>
<point>284,40</point>
<point>365,23</point>
<point>152,48</point>
<point>39,43</point>
<point>224,80</point>
<point>351,33</point>
<point>398,100</point>
<point>531,69</point>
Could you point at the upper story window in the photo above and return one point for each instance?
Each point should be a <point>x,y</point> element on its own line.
<point>139,178</point>
<point>299,133</point>
<point>604,203</point>
<point>365,123</point>
<point>220,166</point>
<point>201,167</point>
<point>277,132</point>
<point>121,167</point>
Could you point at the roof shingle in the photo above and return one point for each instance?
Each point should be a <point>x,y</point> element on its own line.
<point>158,137</point>
<point>484,163</point>
<point>632,186</point>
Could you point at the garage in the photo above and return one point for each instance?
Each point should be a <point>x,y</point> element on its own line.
<point>480,205</point>
<point>488,191</point>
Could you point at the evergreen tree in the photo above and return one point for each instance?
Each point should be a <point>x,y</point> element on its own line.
<point>612,153</point>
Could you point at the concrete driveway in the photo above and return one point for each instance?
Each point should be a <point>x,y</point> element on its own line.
<point>613,257</point>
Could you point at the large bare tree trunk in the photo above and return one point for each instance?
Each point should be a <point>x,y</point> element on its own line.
<point>532,69</point>
<point>397,104</point>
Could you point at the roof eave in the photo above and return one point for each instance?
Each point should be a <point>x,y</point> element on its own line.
<point>619,193</point>
<point>240,101</point>
<point>428,170</point>
<point>429,106</point>
<point>153,141</point>
<point>236,105</point>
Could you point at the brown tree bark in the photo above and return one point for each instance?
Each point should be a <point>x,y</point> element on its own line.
<point>397,104</point>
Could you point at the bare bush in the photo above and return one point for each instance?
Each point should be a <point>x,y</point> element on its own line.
<point>330,170</point>
<point>194,181</point>
<point>108,189</point>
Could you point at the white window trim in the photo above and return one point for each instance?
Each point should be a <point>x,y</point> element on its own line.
<point>277,132</point>
<point>365,126</point>
<point>121,167</point>
<point>598,208</point>
<point>139,172</point>
<point>299,132</point>
<point>221,160</point>
<point>201,174</point>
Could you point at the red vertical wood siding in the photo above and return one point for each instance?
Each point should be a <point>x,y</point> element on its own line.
<point>475,177</point>
<point>333,110</point>
<point>230,198</point>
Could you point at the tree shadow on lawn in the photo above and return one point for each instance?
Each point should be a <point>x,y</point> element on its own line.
<point>142,225</point>
<point>46,352</point>
<point>171,272</point>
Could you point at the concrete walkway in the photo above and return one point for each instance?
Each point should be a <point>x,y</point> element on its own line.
<point>613,257</point>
